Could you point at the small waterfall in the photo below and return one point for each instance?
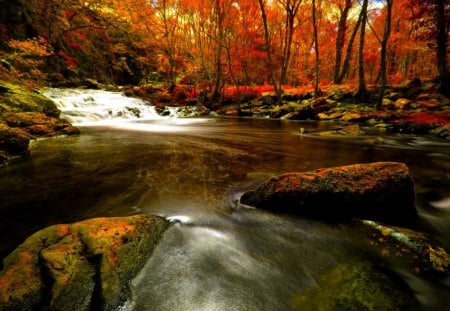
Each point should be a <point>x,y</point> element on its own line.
<point>96,107</point>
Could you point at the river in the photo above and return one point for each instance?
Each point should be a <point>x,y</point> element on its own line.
<point>218,255</point>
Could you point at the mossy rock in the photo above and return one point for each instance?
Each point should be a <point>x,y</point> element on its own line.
<point>354,286</point>
<point>423,254</point>
<point>14,98</point>
<point>13,141</point>
<point>378,191</point>
<point>347,131</point>
<point>82,266</point>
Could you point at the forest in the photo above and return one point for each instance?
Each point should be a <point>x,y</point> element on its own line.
<point>224,155</point>
<point>211,45</point>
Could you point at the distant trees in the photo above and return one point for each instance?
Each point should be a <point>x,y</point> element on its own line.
<point>213,43</point>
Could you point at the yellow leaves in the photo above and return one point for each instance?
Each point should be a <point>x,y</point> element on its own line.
<point>439,258</point>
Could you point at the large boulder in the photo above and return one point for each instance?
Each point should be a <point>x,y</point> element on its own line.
<point>378,191</point>
<point>26,115</point>
<point>14,98</point>
<point>39,124</point>
<point>82,266</point>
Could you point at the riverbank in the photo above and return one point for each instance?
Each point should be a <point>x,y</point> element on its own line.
<point>26,115</point>
<point>413,106</point>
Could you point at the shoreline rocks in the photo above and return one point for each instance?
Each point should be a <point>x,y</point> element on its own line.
<point>82,266</point>
<point>382,191</point>
<point>26,115</point>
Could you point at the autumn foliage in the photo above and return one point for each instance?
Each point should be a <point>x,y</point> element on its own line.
<point>217,44</point>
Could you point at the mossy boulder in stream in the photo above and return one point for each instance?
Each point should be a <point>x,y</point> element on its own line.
<point>26,115</point>
<point>355,286</point>
<point>14,98</point>
<point>82,266</point>
<point>379,191</point>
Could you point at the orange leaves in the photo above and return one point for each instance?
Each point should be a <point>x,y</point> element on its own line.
<point>31,47</point>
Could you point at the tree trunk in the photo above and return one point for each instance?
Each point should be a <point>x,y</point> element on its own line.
<point>383,65</point>
<point>316,50</point>
<point>348,55</point>
<point>362,81</point>
<point>340,40</point>
<point>291,8</point>
<point>220,16</point>
<point>276,88</point>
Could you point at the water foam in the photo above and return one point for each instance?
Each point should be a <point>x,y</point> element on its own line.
<point>88,107</point>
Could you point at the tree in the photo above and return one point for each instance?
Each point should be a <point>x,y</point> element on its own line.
<point>340,39</point>
<point>291,9</point>
<point>276,87</point>
<point>384,42</point>
<point>316,50</point>
<point>361,78</point>
<point>348,54</point>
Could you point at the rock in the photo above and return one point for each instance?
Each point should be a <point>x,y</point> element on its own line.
<point>378,191</point>
<point>346,131</point>
<point>39,124</point>
<point>355,286</point>
<point>410,88</point>
<point>377,141</point>
<point>290,116</point>
<point>421,251</point>
<point>18,99</point>
<point>320,105</point>
<point>26,115</point>
<point>82,266</point>
<point>431,104</point>
<point>393,96</point>
<point>91,84</point>
<point>387,104</point>
<point>349,116</point>
<point>13,143</point>
<point>402,104</point>
<point>442,131</point>
<point>340,95</point>
<point>329,116</point>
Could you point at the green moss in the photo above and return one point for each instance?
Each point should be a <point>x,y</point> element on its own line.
<point>354,286</point>
<point>83,266</point>
<point>120,258</point>
<point>19,99</point>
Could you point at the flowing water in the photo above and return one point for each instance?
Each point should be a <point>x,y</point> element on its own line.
<point>218,255</point>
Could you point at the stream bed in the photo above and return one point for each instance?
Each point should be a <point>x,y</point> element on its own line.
<point>218,255</point>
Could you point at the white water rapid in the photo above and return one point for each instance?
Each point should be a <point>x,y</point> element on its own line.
<point>87,107</point>
<point>115,110</point>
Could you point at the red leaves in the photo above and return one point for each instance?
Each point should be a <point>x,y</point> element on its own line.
<point>71,62</point>
<point>427,119</point>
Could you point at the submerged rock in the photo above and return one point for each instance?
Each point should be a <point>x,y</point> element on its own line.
<point>82,266</point>
<point>423,253</point>
<point>380,191</point>
<point>346,131</point>
<point>354,286</point>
